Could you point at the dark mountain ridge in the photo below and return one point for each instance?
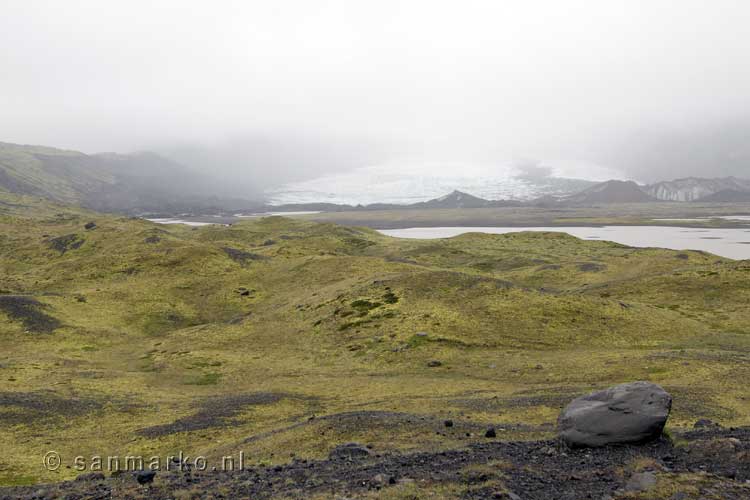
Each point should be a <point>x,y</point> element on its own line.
<point>110,182</point>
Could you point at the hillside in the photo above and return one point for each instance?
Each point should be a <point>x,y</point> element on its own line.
<point>727,196</point>
<point>610,192</point>
<point>455,199</point>
<point>135,183</point>
<point>64,176</point>
<point>694,188</point>
<point>278,337</point>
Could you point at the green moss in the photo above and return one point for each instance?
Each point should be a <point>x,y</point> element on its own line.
<point>331,328</point>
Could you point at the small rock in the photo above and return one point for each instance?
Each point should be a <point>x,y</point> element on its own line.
<point>448,423</point>
<point>145,476</point>
<point>421,334</point>
<point>91,476</point>
<point>434,363</point>
<point>641,481</point>
<point>89,225</point>
<point>381,480</point>
<point>490,433</point>
<point>705,423</point>
<point>349,451</point>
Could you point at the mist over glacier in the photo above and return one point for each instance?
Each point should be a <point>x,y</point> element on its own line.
<point>411,182</point>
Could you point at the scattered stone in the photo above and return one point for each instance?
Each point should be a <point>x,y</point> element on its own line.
<point>91,476</point>
<point>145,476</point>
<point>421,334</point>
<point>591,267</point>
<point>434,363</point>
<point>65,243</point>
<point>705,423</point>
<point>490,433</point>
<point>448,423</point>
<point>242,257</point>
<point>382,480</point>
<point>627,413</point>
<point>89,225</point>
<point>349,451</point>
<point>641,481</point>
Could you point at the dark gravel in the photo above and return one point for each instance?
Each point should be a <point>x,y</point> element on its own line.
<point>533,470</point>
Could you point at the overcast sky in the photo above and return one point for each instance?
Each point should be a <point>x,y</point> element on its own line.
<point>374,81</point>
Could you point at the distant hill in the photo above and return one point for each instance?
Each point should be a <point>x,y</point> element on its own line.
<point>728,196</point>
<point>456,199</point>
<point>611,192</point>
<point>729,189</point>
<point>56,174</point>
<point>133,183</point>
<point>695,188</point>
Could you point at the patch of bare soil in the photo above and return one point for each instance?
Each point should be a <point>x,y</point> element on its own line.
<point>28,311</point>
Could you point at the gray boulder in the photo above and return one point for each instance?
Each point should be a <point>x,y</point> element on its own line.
<point>626,413</point>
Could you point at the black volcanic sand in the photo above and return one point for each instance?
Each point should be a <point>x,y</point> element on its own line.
<point>709,463</point>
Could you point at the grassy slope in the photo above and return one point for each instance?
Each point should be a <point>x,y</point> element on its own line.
<point>168,341</point>
<point>23,169</point>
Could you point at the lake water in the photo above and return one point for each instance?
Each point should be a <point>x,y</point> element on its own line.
<point>222,220</point>
<point>731,243</point>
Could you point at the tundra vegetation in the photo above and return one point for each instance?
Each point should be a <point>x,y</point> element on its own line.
<point>284,338</point>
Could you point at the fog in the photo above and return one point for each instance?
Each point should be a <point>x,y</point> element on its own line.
<point>273,91</point>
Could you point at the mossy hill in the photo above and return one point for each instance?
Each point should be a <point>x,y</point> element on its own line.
<point>121,183</point>
<point>119,336</point>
